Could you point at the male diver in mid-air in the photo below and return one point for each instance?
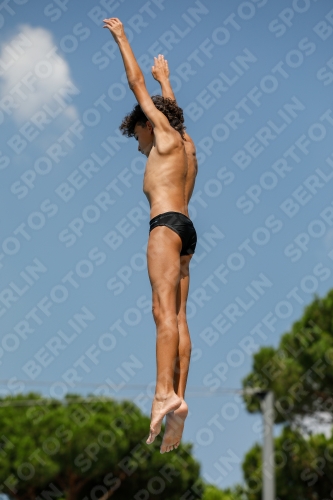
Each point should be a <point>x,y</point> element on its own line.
<point>157,124</point>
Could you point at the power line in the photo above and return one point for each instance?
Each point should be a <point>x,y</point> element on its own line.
<point>129,386</point>
<point>191,392</point>
<point>78,400</point>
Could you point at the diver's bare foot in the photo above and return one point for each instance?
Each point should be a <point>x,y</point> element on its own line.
<point>174,428</point>
<point>160,407</point>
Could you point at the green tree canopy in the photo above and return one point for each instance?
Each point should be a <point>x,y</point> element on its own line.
<point>213,493</point>
<point>300,370</point>
<point>304,467</point>
<point>78,451</point>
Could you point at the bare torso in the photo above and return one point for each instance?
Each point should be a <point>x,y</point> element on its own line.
<point>192,168</point>
<point>170,175</point>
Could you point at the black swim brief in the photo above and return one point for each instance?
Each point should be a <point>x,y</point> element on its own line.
<point>182,225</point>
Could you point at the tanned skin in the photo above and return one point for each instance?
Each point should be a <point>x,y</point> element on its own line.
<point>165,185</point>
<point>175,420</point>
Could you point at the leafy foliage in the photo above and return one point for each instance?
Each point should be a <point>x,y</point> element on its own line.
<point>213,493</point>
<point>77,451</point>
<point>304,467</point>
<point>299,371</point>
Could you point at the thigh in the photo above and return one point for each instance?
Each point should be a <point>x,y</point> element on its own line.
<point>163,255</point>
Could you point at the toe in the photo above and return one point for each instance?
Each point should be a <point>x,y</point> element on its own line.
<point>151,438</point>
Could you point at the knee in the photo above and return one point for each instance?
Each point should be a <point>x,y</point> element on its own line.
<point>157,311</point>
<point>181,317</point>
<point>163,315</point>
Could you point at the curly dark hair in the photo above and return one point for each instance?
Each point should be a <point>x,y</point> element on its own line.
<point>167,106</point>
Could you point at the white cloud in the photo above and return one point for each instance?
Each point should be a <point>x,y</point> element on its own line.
<point>29,59</point>
<point>319,423</point>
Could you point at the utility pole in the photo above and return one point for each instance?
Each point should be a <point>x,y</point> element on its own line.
<point>268,469</point>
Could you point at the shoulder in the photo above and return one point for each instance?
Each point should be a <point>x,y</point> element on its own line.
<point>189,144</point>
<point>188,140</point>
<point>168,140</point>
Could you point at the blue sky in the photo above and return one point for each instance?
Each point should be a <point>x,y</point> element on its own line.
<point>255,82</point>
